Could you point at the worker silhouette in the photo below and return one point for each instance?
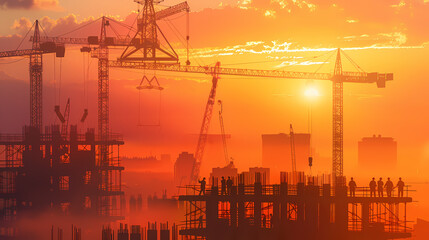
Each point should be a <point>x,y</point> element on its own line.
<point>203,186</point>
<point>223,186</point>
<point>380,185</point>
<point>271,220</point>
<point>389,187</point>
<point>400,187</point>
<point>372,187</point>
<point>229,185</point>
<point>352,187</point>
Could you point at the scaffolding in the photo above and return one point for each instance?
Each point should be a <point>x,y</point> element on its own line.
<point>309,209</point>
<point>58,174</point>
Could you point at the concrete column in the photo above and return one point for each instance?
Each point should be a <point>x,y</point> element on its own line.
<point>365,216</point>
<point>257,204</point>
<point>341,211</point>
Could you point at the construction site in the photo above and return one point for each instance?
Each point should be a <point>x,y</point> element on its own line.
<point>56,170</point>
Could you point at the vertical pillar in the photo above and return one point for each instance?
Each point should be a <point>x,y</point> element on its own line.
<point>300,203</point>
<point>152,234</point>
<point>123,233</point>
<point>365,216</point>
<point>311,210</point>
<point>164,233</point>
<point>212,211</point>
<point>233,207</point>
<point>283,202</point>
<point>240,204</point>
<point>257,204</point>
<point>341,211</point>
<point>324,211</point>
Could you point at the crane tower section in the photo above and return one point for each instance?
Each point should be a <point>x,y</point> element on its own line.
<point>146,45</point>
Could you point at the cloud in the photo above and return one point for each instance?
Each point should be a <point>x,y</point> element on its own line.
<point>29,4</point>
<point>22,25</point>
<point>16,3</point>
<point>292,21</point>
<point>67,26</point>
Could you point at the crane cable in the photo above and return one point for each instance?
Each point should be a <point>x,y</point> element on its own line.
<point>81,27</point>
<point>353,62</point>
<point>59,81</point>
<point>199,61</point>
<point>25,36</point>
<point>327,59</point>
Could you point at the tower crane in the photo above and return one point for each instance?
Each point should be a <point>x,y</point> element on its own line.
<point>36,69</point>
<point>145,40</point>
<point>338,78</point>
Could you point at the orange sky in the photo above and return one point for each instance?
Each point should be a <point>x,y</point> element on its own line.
<point>384,36</point>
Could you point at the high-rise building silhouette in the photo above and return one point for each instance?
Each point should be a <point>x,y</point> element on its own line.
<point>377,153</point>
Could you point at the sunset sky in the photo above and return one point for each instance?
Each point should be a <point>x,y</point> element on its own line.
<point>295,35</point>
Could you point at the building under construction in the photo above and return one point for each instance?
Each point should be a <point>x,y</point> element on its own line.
<point>58,173</point>
<point>310,209</point>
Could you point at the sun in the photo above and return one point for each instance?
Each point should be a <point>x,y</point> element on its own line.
<point>311,92</point>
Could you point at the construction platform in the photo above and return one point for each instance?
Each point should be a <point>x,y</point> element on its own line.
<point>293,211</point>
<point>58,173</point>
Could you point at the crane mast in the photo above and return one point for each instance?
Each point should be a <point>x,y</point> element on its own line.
<point>222,128</point>
<point>36,71</point>
<point>292,154</point>
<point>292,150</point>
<point>337,122</point>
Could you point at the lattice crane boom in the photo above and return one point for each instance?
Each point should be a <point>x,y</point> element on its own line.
<point>352,77</point>
<point>24,52</point>
<point>170,11</point>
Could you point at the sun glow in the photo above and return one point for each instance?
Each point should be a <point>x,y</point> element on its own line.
<point>311,92</point>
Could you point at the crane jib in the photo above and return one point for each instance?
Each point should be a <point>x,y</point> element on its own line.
<point>352,77</point>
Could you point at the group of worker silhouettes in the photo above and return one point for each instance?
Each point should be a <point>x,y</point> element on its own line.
<point>379,187</point>
<point>226,186</point>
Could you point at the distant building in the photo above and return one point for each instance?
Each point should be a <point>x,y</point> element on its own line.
<point>248,177</point>
<point>150,163</point>
<point>377,153</point>
<point>276,152</point>
<point>228,171</point>
<point>183,168</point>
